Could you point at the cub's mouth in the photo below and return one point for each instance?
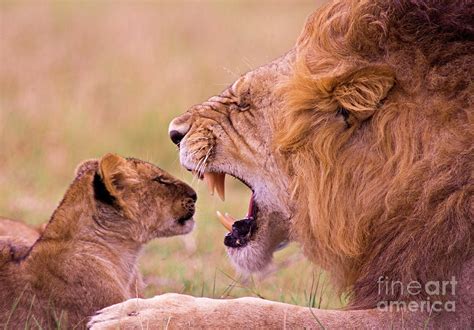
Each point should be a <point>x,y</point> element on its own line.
<point>182,220</point>
<point>241,231</point>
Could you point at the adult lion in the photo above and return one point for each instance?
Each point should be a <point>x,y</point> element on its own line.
<point>358,143</point>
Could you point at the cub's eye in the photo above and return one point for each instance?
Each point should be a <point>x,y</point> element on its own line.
<point>162,180</point>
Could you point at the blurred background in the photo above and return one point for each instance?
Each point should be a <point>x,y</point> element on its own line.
<point>79,79</point>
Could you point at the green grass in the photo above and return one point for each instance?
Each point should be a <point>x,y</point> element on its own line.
<point>78,80</point>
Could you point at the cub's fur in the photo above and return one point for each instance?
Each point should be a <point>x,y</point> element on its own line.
<point>18,234</point>
<point>86,258</point>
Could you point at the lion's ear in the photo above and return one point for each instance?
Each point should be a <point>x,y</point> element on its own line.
<point>116,174</point>
<point>361,91</point>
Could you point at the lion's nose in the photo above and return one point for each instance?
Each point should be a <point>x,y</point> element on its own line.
<point>178,129</point>
<point>176,137</point>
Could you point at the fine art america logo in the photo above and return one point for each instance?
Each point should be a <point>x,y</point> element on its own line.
<point>434,291</point>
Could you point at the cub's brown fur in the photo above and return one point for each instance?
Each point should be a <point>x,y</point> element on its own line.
<point>13,229</point>
<point>86,258</point>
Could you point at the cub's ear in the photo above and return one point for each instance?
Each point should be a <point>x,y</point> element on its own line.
<point>85,167</point>
<point>116,173</point>
<point>360,91</point>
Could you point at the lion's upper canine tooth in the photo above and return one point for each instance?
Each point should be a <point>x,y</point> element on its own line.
<point>215,181</point>
<point>226,220</point>
<point>220,185</point>
<point>210,180</point>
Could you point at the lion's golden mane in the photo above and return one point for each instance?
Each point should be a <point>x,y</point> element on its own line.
<point>390,191</point>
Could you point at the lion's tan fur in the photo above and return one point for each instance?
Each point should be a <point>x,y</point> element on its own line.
<point>86,258</point>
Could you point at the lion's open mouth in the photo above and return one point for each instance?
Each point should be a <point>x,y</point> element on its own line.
<point>240,231</point>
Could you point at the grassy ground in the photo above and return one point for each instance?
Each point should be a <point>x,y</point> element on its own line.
<point>78,80</point>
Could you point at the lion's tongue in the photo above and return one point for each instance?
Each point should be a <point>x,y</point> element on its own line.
<point>251,211</point>
<point>227,220</point>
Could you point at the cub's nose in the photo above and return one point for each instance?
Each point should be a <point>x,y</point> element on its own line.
<point>189,203</point>
<point>189,192</point>
<point>178,129</point>
<point>193,196</point>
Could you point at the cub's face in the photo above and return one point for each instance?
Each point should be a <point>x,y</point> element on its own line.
<point>155,203</point>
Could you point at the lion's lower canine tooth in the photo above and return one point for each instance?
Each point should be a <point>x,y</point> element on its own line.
<point>226,222</point>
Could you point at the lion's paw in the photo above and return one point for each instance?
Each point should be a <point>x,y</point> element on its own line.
<point>139,313</point>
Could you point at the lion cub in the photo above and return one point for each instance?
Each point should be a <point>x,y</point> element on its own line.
<point>86,258</point>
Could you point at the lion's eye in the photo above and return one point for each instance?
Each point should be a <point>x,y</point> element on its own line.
<point>243,106</point>
<point>162,180</point>
<point>245,101</point>
<point>239,106</point>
